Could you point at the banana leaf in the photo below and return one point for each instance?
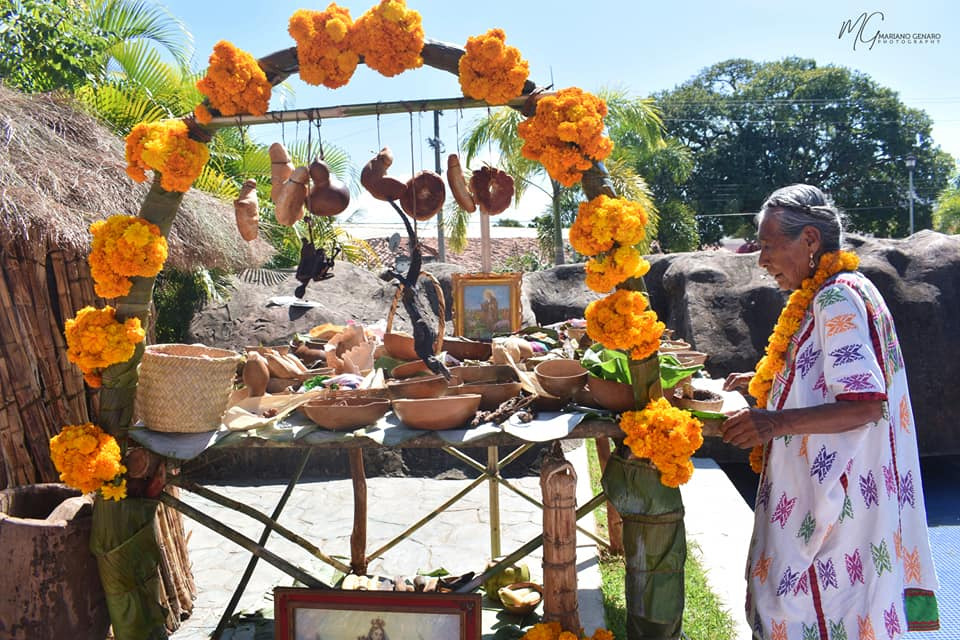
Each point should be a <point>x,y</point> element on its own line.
<point>607,364</point>
<point>672,372</point>
<point>655,547</point>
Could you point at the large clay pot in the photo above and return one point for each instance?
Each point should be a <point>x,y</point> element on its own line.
<point>50,585</point>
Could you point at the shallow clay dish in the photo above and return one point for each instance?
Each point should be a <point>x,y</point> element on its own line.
<point>615,396</point>
<point>520,609</point>
<point>689,358</point>
<point>438,414</point>
<point>465,349</point>
<point>702,400</point>
<point>418,387</point>
<point>345,414</point>
<point>561,377</point>
<point>400,346</point>
<point>409,369</point>
<point>485,373</point>
<point>493,393</point>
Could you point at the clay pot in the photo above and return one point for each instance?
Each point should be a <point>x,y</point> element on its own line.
<point>345,414</point>
<point>561,377</point>
<point>520,609</point>
<point>702,400</point>
<point>418,388</point>
<point>438,414</point>
<point>493,394</point>
<point>465,349</point>
<point>400,346</point>
<point>615,396</point>
<point>488,374</point>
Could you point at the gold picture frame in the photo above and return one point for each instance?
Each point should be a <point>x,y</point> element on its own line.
<point>486,304</point>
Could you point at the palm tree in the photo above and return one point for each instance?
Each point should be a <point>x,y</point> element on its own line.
<point>633,124</point>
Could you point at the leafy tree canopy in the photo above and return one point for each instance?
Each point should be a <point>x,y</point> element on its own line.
<point>946,213</point>
<point>754,127</point>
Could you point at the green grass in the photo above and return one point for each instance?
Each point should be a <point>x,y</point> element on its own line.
<point>703,615</point>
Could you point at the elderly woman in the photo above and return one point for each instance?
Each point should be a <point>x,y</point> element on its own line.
<point>840,547</point>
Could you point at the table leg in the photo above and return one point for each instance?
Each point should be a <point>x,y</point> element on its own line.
<point>252,564</point>
<point>493,472</point>
<point>358,537</point>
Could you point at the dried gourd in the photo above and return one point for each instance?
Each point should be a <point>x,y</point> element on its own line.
<point>281,166</point>
<point>246,211</point>
<point>292,197</point>
<point>374,177</point>
<point>458,184</point>
<point>329,195</point>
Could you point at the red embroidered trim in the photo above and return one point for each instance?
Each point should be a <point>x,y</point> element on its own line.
<point>862,395</point>
<point>817,606</point>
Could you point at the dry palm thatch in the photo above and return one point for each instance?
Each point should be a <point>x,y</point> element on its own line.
<point>60,170</point>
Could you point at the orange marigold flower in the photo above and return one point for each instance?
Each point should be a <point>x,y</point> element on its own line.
<point>665,435</point>
<point>87,458</point>
<point>605,221</point>
<point>622,321</point>
<point>123,247</point>
<point>389,36</point>
<point>165,147</point>
<point>566,134</point>
<point>490,70</point>
<point>235,83</point>
<point>95,340</point>
<point>325,47</point>
<point>615,267</point>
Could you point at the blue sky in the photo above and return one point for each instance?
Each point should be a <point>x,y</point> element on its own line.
<point>640,47</point>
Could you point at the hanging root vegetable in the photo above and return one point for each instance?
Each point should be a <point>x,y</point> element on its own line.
<point>458,184</point>
<point>492,189</point>
<point>245,209</point>
<point>292,196</point>
<point>280,169</point>
<point>374,177</point>
<point>329,195</point>
<point>424,195</point>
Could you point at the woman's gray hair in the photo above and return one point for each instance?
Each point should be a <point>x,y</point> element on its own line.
<point>803,205</point>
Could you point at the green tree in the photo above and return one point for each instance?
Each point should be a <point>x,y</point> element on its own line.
<point>678,227</point>
<point>754,127</point>
<point>946,213</point>
<point>631,123</point>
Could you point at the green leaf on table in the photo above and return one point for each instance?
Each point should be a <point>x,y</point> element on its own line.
<point>672,371</point>
<point>707,415</point>
<point>607,364</point>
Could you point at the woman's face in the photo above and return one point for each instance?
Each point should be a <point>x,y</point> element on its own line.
<point>786,259</point>
<point>376,633</point>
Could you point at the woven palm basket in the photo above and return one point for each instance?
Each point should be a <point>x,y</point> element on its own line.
<point>185,388</point>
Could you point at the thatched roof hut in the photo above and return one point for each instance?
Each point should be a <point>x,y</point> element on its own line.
<point>61,170</point>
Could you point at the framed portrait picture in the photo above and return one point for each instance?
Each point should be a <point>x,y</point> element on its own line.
<point>313,614</point>
<point>486,304</point>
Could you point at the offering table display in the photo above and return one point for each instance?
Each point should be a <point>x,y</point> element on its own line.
<point>290,429</point>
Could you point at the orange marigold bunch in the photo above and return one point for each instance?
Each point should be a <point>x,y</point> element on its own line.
<point>235,83</point>
<point>566,134</point>
<point>756,458</point>
<point>123,247</point>
<point>615,267</point>
<point>165,147</point>
<point>89,459</point>
<point>324,45</point>
<point>553,631</point>
<point>389,36</point>
<point>622,321</point>
<point>490,70</point>
<point>665,435</point>
<point>603,221</point>
<point>95,340</point>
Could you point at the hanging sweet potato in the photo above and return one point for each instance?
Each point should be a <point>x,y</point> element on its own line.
<point>246,210</point>
<point>374,177</point>
<point>280,168</point>
<point>458,184</point>
<point>292,197</point>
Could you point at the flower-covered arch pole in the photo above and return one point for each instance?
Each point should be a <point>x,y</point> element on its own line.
<point>563,131</point>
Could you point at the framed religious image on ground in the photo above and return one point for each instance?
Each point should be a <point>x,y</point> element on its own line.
<point>313,614</point>
<point>486,304</point>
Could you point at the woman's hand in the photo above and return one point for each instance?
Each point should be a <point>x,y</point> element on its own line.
<point>747,428</point>
<point>738,381</point>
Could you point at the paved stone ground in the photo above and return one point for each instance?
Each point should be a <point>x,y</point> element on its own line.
<point>458,540</point>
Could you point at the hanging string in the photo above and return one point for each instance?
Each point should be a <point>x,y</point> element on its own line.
<point>243,146</point>
<point>310,138</point>
<point>320,137</point>
<point>489,141</point>
<point>457,125</point>
<point>379,144</point>
<point>420,135</point>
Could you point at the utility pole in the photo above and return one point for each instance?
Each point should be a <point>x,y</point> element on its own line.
<point>911,161</point>
<point>441,249</point>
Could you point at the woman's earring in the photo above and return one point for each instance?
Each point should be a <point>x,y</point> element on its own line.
<point>812,263</point>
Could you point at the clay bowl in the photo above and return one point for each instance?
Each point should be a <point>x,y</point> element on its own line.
<point>418,387</point>
<point>671,346</point>
<point>615,396</point>
<point>702,400</point>
<point>493,394</point>
<point>437,414</point>
<point>346,413</point>
<point>690,358</point>
<point>409,369</point>
<point>520,609</point>
<point>485,373</point>
<point>465,349</point>
<point>561,377</point>
<point>400,346</point>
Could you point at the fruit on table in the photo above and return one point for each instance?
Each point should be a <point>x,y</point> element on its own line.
<point>509,575</point>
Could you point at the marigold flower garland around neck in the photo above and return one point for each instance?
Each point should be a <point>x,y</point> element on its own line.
<point>773,361</point>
